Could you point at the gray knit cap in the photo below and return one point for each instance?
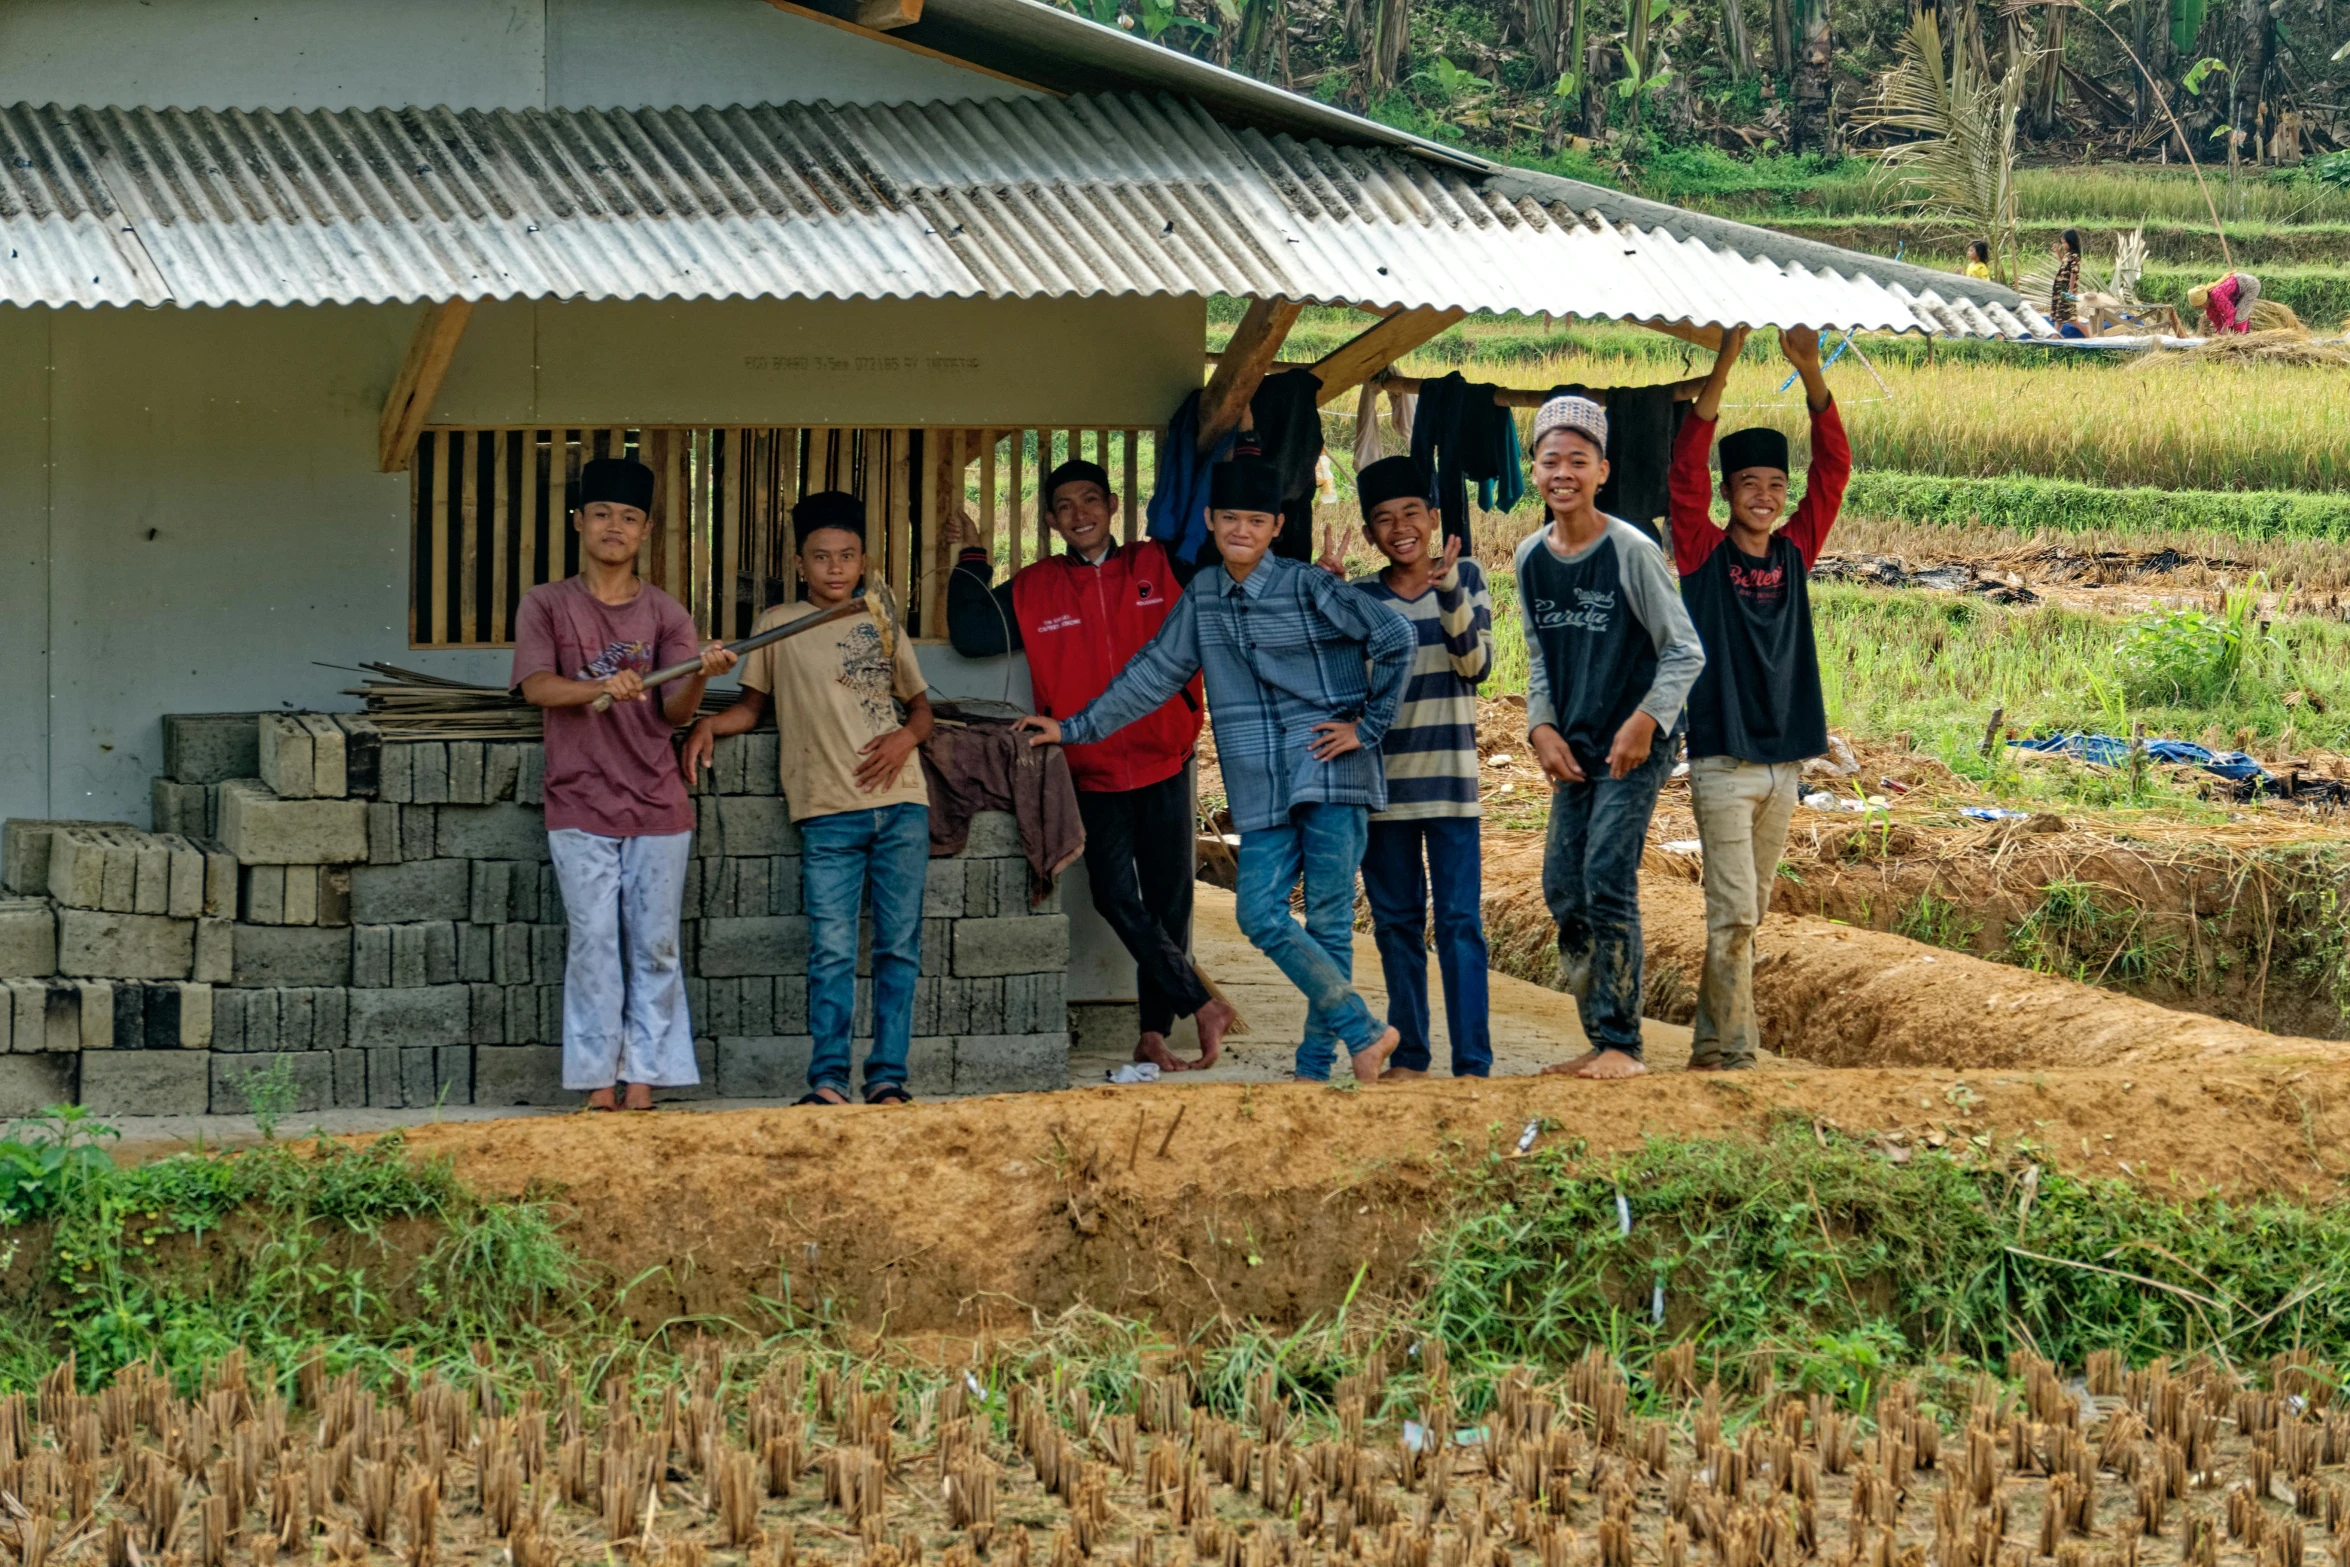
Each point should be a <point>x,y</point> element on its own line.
<point>1579,414</point>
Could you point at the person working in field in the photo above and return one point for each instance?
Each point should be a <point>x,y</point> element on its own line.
<point>1610,660</point>
<point>2226,304</point>
<point>1304,676</point>
<point>620,827</point>
<point>1426,840</point>
<point>1755,714</point>
<point>2064,294</point>
<point>857,711</point>
<point>1083,616</point>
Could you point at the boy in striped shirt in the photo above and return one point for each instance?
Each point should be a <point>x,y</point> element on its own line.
<point>1427,837</point>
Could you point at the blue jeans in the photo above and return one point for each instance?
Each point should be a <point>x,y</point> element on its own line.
<point>1324,844</point>
<point>888,846</point>
<point>624,1012</point>
<point>1591,880</point>
<point>1398,887</point>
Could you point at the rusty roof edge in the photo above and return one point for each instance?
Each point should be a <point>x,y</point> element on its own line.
<point>1746,239</point>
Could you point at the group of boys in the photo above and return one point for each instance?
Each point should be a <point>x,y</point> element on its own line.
<point>1345,727</point>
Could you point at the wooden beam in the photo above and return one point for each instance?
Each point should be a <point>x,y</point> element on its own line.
<point>882,15</point>
<point>811,13</point>
<point>419,381</point>
<point>1355,361</point>
<point>1242,366</point>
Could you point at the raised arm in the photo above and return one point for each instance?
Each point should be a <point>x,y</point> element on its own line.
<point>1163,667</point>
<point>1465,610</point>
<point>1689,482</point>
<point>1823,485</point>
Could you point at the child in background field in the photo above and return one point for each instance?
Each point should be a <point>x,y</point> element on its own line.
<point>1303,678</point>
<point>620,828</point>
<point>1610,660</point>
<point>2064,295</point>
<point>853,715</point>
<point>1426,839</point>
<point>1978,259</point>
<point>1756,712</point>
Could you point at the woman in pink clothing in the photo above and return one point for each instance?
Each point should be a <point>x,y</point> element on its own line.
<point>2226,304</point>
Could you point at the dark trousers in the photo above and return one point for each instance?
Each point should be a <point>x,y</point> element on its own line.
<point>1591,880</point>
<point>1138,866</point>
<point>1405,862</point>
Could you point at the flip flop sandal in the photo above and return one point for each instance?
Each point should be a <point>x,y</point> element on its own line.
<point>812,1097</point>
<point>889,1094</point>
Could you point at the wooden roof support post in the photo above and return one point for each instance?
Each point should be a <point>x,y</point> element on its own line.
<point>419,381</point>
<point>1353,362</point>
<point>1702,336</point>
<point>882,15</point>
<point>1255,343</point>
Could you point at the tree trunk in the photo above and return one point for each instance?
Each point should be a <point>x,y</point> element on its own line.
<point>2261,34</point>
<point>1636,57</point>
<point>1812,121</point>
<point>1389,32</point>
<point>1782,38</point>
<point>2141,89</point>
<point>1737,51</point>
<point>2051,75</point>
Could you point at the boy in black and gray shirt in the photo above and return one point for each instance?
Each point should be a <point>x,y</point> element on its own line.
<point>1611,656</point>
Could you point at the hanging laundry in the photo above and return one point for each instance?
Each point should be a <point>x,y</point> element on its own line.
<point>1641,424</point>
<point>1287,415</point>
<point>1461,434</point>
<point>1178,515</point>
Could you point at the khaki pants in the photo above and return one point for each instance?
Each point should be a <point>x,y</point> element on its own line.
<point>1742,813</point>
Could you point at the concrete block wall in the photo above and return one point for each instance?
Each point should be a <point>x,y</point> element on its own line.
<point>382,917</point>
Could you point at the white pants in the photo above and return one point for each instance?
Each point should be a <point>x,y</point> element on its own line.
<point>624,1012</point>
<point>1742,813</point>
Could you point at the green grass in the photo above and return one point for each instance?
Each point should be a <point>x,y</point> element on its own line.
<point>2036,505</point>
<point>362,1254</point>
<point>2106,193</point>
<point>1825,1261</point>
<point>2259,246</point>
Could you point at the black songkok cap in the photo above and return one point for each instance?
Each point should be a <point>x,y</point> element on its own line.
<point>1753,447</point>
<point>1245,484</point>
<point>1075,471</point>
<point>619,480</point>
<point>1390,479</point>
<point>828,509</point>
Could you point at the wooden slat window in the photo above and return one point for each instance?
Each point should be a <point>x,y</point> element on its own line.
<point>492,519</point>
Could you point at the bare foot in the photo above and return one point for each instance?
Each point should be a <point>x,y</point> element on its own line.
<point>1153,1048</point>
<point>1369,1060</point>
<point>640,1097</point>
<point>1211,1021</point>
<point>1401,1074</point>
<point>601,1099</point>
<point>1572,1068</point>
<point>1606,1064</point>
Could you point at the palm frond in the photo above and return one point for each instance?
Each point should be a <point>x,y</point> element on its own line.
<point>1957,163</point>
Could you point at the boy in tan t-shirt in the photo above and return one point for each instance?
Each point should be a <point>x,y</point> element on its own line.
<point>854,788</point>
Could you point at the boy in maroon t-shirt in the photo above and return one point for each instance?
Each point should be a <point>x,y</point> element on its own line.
<point>619,824</point>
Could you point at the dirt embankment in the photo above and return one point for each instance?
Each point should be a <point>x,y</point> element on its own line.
<point>1837,995</point>
<point>1268,1199</point>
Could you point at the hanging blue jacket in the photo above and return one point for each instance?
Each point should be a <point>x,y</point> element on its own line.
<point>1178,513</point>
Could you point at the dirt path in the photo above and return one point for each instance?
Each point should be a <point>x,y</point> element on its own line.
<point>1837,995</point>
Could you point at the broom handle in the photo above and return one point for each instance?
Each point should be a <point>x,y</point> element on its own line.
<point>790,628</point>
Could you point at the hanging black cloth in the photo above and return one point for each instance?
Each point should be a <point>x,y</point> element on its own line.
<point>1641,424</point>
<point>1287,414</point>
<point>1460,434</point>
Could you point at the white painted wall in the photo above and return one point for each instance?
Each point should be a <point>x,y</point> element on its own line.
<point>483,54</point>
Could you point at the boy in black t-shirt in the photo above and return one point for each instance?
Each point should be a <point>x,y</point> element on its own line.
<point>1611,656</point>
<point>1756,713</point>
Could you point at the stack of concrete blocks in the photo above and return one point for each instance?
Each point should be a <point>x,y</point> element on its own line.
<point>381,917</point>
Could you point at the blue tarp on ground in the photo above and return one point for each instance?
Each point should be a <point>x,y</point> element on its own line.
<point>2113,751</point>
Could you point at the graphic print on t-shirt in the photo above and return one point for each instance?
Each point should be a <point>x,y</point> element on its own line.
<point>866,673</point>
<point>616,657</point>
<point>1763,585</point>
<point>1591,612</point>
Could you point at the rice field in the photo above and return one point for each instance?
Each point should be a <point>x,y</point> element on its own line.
<point>2109,192</point>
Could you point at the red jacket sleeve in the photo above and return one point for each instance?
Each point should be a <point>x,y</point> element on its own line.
<point>1689,488</point>
<point>1823,488</point>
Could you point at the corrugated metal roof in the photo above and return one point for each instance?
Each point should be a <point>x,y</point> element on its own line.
<point>1110,194</point>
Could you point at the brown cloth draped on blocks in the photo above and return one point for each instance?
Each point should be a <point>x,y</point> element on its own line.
<point>975,766</point>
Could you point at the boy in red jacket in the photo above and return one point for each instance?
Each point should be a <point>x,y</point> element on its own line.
<point>1755,714</point>
<point>1082,616</point>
